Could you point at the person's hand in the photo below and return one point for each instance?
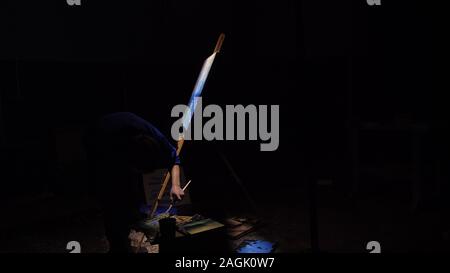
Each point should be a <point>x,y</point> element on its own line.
<point>176,193</point>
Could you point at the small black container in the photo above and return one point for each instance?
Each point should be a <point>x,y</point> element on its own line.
<point>167,228</point>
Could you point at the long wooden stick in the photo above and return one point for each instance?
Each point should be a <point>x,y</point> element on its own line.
<point>166,181</point>
<point>180,143</point>
<point>217,49</point>
<point>219,43</point>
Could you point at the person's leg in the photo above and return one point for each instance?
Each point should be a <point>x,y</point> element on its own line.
<point>117,229</point>
<point>121,211</point>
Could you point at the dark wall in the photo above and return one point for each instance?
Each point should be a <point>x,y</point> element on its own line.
<point>328,64</point>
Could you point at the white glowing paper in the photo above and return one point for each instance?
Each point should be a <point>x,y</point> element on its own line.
<point>198,89</point>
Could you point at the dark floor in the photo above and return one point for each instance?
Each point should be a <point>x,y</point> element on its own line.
<point>46,223</point>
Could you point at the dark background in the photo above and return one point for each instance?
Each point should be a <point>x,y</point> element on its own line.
<point>362,128</point>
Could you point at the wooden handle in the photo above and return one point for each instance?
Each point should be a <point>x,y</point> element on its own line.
<point>219,43</point>
<point>165,181</point>
<point>180,143</point>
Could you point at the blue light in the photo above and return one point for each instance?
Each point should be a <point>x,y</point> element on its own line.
<point>198,89</point>
<point>256,246</point>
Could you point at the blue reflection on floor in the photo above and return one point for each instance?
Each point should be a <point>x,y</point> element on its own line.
<point>256,246</point>
<point>162,209</point>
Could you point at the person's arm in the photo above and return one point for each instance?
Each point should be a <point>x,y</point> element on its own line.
<point>176,190</point>
<point>169,153</point>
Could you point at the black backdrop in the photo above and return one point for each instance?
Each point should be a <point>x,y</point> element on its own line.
<point>327,64</point>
